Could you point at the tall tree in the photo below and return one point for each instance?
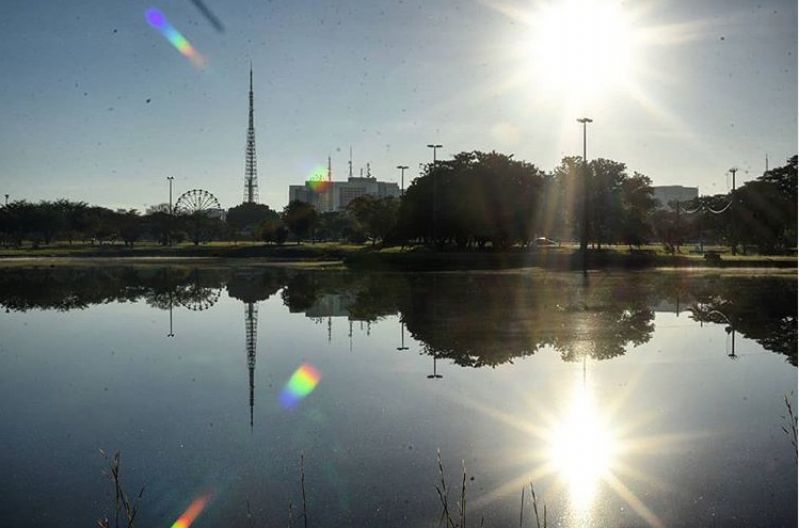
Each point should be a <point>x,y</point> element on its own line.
<point>300,218</point>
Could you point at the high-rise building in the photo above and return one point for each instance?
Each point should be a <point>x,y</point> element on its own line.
<point>338,194</point>
<point>250,171</point>
<point>329,196</point>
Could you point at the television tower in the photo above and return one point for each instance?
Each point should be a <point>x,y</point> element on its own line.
<point>250,172</point>
<point>250,327</point>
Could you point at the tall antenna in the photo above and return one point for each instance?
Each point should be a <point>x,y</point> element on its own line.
<point>250,328</point>
<point>250,172</point>
<point>350,164</point>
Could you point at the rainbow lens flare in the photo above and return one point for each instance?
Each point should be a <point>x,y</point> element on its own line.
<point>319,181</point>
<point>192,512</point>
<point>158,21</point>
<point>301,384</point>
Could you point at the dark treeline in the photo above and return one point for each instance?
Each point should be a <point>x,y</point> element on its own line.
<point>474,319</point>
<point>475,200</point>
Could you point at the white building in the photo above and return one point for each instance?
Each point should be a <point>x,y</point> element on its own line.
<point>665,195</point>
<point>333,196</point>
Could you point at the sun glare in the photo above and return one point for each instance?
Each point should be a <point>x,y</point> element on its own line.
<point>582,49</point>
<point>582,450</point>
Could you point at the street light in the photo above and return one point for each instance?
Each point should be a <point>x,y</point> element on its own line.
<point>434,146</point>
<point>585,231</point>
<point>733,171</point>
<point>584,121</point>
<point>170,178</point>
<point>402,177</point>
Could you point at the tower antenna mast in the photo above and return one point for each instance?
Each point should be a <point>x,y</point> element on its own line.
<point>350,164</point>
<point>250,170</point>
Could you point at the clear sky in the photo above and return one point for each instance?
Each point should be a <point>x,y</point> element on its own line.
<point>96,105</point>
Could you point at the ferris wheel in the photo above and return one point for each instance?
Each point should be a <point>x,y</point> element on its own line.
<point>196,201</point>
<point>198,298</point>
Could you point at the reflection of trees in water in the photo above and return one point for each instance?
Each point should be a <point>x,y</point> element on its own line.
<point>492,318</point>
<point>473,319</point>
<point>764,310</point>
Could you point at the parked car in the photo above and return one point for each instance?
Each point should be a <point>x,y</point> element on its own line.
<point>543,241</point>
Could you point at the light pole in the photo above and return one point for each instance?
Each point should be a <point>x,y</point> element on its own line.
<point>170,178</point>
<point>6,198</point>
<point>733,171</point>
<point>171,226</point>
<point>402,178</point>
<point>434,146</point>
<point>585,227</point>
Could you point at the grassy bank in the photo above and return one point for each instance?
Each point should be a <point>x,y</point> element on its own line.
<point>407,259</point>
<point>326,251</point>
<point>422,259</point>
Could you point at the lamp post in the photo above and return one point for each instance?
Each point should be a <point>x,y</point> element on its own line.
<point>585,227</point>
<point>434,146</point>
<point>171,222</point>
<point>170,178</point>
<point>733,171</point>
<point>402,178</point>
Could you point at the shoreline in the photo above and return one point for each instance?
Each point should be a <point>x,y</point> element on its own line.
<point>335,256</point>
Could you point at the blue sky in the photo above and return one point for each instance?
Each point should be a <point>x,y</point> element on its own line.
<point>716,87</point>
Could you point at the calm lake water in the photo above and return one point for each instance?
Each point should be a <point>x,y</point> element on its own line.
<point>629,399</point>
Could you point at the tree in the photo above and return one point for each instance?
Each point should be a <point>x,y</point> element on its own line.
<point>273,230</point>
<point>606,209</point>
<point>375,216</point>
<point>129,226</point>
<point>637,205</point>
<point>338,225</point>
<point>200,226</point>
<point>247,218</point>
<point>473,199</point>
<point>300,218</point>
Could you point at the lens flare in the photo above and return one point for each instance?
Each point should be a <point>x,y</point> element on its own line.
<point>318,180</point>
<point>301,384</point>
<point>192,512</point>
<point>158,21</point>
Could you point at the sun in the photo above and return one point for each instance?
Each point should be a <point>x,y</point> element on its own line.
<point>581,49</point>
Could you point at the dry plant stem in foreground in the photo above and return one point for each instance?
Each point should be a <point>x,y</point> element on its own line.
<point>122,503</point>
<point>792,430</point>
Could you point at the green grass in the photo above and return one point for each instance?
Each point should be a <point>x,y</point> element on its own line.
<point>416,258</point>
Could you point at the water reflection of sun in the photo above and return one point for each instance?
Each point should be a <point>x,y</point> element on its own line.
<point>582,450</point>
<point>586,449</point>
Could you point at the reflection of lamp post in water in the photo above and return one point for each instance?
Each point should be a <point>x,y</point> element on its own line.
<point>434,375</point>
<point>731,330</point>
<point>402,336</point>
<point>171,304</point>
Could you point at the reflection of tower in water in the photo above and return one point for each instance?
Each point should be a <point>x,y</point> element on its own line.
<point>250,327</point>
